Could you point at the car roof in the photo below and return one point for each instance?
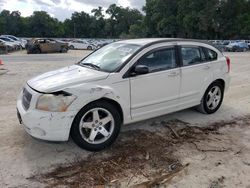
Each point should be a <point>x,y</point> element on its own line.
<point>151,41</point>
<point>144,41</point>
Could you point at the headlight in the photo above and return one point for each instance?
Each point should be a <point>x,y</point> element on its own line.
<point>56,102</point>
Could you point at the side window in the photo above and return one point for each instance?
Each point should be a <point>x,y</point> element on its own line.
<point>159,60</point>
<point>192,55</point>
<point>51,41</point>
<point>211,55</point>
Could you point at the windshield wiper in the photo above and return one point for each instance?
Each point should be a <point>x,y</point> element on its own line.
<point>91,65</point>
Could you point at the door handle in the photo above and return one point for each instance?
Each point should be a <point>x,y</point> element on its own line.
<point>206,67</point>
<point>173,74</point>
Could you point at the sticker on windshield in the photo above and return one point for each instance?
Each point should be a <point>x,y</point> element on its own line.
<point>125,50</point>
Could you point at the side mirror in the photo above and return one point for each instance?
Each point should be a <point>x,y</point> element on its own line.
<point>141,69</point>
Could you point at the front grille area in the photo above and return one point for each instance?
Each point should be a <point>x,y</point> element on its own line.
<point>26,99</point>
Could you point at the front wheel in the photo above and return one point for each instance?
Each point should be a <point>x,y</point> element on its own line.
<point>96,126</point>
<point>37,51</point>
<point>212,99</point>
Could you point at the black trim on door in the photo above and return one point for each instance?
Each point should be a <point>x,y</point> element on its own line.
<point>201,49</point>
<point>158,42</point>
<point>177,59</point>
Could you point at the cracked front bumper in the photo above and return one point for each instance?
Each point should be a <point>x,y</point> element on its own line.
<point>50,126</point>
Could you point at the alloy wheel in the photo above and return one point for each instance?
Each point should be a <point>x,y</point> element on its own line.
<point>214,97</point>
<point>96,126</point>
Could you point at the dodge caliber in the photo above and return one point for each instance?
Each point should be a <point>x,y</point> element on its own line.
<point>122,83</point>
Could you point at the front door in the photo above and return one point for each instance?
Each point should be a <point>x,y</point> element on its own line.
<point>156,93</point>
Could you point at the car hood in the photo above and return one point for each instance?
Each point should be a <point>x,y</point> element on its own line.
<point>65,77</point>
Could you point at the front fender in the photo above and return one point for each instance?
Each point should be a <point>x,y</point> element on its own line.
<point>91,92</point>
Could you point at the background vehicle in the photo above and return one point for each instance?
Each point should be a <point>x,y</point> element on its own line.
<point>122,83</point>
<point>237,47</point>
<point>21,41</point>
<point>6,39</point>
<point>46,46</point>
<point>80,44</point>
<point>10,45</point>
<point>4,48</point>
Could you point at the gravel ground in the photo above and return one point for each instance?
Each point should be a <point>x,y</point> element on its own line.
<point>27,162</point>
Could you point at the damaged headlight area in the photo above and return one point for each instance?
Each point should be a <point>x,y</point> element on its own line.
<point>55,102</point>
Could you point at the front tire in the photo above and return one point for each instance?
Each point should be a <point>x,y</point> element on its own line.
<point>212,99</point>
<point>96,126</point>
<point>37,51</point>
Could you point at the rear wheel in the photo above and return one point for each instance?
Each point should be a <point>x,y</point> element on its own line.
<point>71,47</point>
<point>89,48</point>
<point>96,126</point>
<point>212,99</point>
<point>64,50</point>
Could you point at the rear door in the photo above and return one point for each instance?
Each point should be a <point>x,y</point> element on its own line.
<point>54,46</point>
<point>196,74</point>
<point>44,45</point>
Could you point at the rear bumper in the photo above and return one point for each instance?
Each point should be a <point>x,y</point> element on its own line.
<point>227,82</point>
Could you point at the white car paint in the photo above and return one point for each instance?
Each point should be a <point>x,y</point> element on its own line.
<point>8,43</point>
<point>80,44</point>
<point>141,97</point>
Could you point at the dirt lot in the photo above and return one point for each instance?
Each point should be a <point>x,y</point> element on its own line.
<point>183,149</point>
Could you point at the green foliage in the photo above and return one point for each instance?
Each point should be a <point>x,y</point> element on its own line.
<point>213,19</point>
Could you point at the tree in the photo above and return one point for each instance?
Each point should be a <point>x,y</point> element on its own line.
<point>121,19</point>
<point>213,19</point>
<point>43,25</point>
<point>98,13</point>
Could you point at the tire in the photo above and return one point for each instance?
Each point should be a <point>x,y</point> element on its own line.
<point>64,50</point>
<point>89,48</point>
<point>90,134</point>
<point>71,47</point>
<point>209,105</point>
<point>36,51</point>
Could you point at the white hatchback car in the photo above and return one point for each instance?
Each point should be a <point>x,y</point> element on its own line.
<point>122,83</point>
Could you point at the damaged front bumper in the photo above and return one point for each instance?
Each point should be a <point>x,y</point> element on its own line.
<point>50,126</point>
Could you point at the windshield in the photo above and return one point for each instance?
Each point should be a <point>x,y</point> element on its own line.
<point>5,39</point>
<point>110,57</point>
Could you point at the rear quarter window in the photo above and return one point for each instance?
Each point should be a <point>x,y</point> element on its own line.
<point>211,55</point>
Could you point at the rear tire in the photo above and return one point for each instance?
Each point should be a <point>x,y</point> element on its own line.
<point>89,48</point>
<point>64,50</point>
<point>212,99</point>
<point>96,126</point>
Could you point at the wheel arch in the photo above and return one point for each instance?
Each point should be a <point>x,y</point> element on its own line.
<point>219,81</point>
<point>201,107</point>
<point>115,103</point>
<point>111,101</point>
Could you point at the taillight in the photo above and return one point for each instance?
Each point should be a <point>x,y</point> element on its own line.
<point>228,64</point>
